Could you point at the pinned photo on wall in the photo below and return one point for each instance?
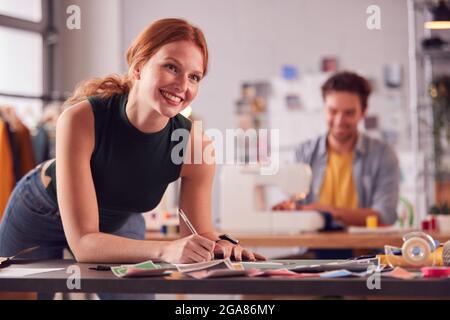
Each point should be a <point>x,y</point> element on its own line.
<point>371,122</point>
<point>330,64</point>
<point>294,102</point>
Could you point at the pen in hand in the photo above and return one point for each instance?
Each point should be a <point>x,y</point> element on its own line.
<point>186,221</point>
<point>189,224</point>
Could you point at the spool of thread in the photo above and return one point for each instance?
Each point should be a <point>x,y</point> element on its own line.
<point>433,223</point>
<point>170,230</point>
<point>372,222</point>
<point>425,225</point>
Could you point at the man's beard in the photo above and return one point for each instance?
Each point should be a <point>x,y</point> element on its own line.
<point>344,138</point>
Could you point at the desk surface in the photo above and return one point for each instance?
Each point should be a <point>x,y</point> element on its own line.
<point>317,240</point>
<point>105,281</point>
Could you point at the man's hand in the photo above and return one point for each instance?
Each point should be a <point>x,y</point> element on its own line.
<point>318,207</point>
<point>290,205</point>
<point>287,205</point>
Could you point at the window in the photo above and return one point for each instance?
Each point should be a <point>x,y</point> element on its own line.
<point>30,10</point>
<point>25,60</point>
<point>21,62</point>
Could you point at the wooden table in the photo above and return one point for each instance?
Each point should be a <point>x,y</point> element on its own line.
<point>101,281</point>
<point>317,240</point>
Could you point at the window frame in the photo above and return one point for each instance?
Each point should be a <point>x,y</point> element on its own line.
<point>46,29</point>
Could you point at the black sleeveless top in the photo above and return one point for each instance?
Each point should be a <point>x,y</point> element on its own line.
<point>130,169</point>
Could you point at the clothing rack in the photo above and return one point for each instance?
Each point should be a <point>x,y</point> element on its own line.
<point>16,153</point>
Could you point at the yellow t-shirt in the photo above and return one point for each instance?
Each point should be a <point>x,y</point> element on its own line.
<point>338,188</point>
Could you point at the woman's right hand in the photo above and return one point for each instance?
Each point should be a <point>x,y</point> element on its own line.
<point>190,249</point>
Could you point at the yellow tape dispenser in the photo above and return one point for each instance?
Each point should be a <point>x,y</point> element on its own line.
<point>418,250</point>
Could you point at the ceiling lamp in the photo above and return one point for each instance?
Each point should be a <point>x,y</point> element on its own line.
<point>441,16</point>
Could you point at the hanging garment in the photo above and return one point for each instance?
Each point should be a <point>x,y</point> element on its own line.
<point>14,152</point>
<point>7,182</point>
<point>7,179</point>
<point>25,149</point>
<point>41,145</point>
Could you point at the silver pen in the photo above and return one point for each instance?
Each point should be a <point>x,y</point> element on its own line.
<point>186,221</point>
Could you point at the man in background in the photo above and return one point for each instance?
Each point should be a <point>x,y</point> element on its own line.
<point>354,176</point>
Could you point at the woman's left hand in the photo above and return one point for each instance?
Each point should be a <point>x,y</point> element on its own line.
<point>236,252</point>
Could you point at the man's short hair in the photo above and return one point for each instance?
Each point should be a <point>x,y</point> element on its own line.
<point>348,82</point>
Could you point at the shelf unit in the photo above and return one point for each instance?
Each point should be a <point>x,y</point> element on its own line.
<point>422,69</point>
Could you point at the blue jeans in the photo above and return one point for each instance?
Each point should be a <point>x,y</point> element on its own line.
<point>32,218</point>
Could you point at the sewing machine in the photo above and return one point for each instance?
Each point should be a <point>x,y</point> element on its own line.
<point>247,198</point>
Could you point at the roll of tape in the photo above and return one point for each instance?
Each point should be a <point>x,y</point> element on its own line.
<point>416,251</point>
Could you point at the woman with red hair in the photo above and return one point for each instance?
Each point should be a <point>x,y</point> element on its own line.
<point>114,159</point>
